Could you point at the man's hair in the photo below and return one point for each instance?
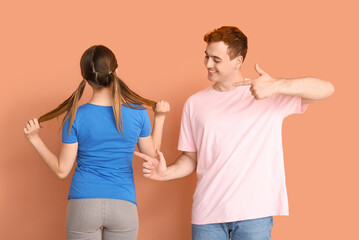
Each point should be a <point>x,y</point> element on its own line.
<point>232,37</point>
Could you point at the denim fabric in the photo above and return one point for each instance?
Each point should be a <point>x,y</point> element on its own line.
<point>253,229</point>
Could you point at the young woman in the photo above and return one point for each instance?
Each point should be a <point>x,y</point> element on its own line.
<point>101,135</point>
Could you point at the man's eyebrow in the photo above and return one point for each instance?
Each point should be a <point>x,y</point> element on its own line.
<point>218,58</point>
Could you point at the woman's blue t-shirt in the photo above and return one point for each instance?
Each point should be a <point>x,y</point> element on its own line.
<point>104,158</point>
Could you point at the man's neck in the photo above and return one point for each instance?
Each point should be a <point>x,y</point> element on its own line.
<point>227,85</point>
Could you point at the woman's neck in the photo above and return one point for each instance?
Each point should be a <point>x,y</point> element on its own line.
<point>102,96</point>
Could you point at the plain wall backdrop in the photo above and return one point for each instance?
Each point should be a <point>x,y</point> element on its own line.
<point>160,49</point>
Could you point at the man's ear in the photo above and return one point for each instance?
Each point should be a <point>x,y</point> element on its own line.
<point>239,61</point>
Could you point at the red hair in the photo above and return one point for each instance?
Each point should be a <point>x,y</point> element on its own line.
<point>232,37</point>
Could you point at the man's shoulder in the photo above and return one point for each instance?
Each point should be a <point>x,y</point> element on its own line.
<point>198,96</point>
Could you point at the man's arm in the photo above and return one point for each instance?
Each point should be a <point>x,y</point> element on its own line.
<point>309,89</point>
<point>156,168</point>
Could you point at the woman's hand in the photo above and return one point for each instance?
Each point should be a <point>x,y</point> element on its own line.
<point>162,107</point>
<point>31,129</point>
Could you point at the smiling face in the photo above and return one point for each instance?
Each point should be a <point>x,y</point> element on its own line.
<point>220,67</point>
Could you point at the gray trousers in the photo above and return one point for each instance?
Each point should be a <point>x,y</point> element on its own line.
<point>85,217</point>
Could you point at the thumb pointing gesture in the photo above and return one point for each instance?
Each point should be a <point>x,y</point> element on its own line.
<point>153,168</point>
<point>259,70</point>
<point>162,162</point>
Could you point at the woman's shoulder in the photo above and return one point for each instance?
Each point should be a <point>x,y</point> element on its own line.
<point>91,109</point>
<point>134,106</point>
<point>88,107</point>
<point>132,109</point>
<point>85,107</point>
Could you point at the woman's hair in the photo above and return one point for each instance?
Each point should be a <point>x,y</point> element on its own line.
<point>98,65</point>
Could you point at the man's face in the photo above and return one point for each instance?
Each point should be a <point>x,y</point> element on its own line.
<point>220,67</point>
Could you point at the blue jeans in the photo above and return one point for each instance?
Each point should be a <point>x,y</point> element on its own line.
<point>254,229</point>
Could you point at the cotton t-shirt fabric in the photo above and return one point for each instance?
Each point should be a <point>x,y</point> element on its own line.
<point>240,168</point>
<point>104,159</point>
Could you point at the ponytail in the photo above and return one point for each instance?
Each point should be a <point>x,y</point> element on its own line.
<point>123,94</point>
<point>130,96</point>
<point>69,106</point>
<point>116,104</point>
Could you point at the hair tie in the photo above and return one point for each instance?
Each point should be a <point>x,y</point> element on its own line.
<point>109,72</point>
<point>84,80</point>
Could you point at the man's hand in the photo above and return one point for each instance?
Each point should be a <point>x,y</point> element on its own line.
<point>262,87</point>
<point>153,168</point>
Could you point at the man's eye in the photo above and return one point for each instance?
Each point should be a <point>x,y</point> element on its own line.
<point>217,61</point>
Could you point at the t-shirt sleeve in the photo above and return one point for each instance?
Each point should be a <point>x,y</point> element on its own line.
<point>287,104</point>
<point>186,142</point>
<point>146,124</point>
<point>66,137</point>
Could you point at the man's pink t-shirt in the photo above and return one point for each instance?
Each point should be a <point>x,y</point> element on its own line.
<point>240,168</point>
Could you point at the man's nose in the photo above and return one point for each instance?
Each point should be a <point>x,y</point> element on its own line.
<point>209,63</point>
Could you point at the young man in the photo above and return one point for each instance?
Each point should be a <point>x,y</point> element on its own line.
<point>231,134</point>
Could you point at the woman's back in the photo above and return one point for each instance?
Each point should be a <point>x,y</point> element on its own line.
<point>104,160</point>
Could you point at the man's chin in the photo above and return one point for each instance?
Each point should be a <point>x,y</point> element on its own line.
<point>211,78</point>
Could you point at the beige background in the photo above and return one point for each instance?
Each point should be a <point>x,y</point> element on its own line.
<point>160,51</point>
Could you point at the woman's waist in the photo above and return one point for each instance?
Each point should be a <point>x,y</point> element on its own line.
<point>121,172</point>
